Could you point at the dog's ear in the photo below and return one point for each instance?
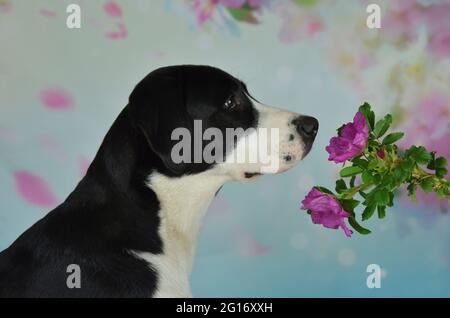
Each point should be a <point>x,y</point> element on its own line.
<point>158,106</point>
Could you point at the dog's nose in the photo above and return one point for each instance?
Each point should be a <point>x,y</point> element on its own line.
<point>306,126</point>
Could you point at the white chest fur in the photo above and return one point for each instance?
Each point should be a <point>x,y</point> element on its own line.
<point>183,204</point>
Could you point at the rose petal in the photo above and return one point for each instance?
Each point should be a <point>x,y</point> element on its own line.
<point>113,9</point>
<point>56,99</point>
<point>34,189</point>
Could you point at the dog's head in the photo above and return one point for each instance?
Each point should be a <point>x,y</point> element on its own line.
<point>199,117</point>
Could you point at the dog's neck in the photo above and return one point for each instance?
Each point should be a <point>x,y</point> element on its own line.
<point>184,202</point>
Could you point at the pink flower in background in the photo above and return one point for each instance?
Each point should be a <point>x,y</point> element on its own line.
<point>428,124</point>
<point>34,189</point>
<point>121,33</point>
<point>56,98</point>
<point>5,6</point>
<point>351,141</point>
<point>326,210</point>
<point>240,3</point>
<point>402,5</point>
<point>204,10</point>
<point>233,3</point>
<point>113,9</point>
<point>440,43</point>
<point>428,121</point>
<point>405,18</point>
<point>297,22</point>
<point>255,3</point>
<point>48,13</point>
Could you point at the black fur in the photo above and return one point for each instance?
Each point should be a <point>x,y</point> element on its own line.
<point>112,211</point>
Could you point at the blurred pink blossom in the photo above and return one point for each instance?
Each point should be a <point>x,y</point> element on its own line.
<point>233,3</point>
<point>113,9</point>
<point>48,13</point>
<point>428,124</point>
<point>405,18</point>
<point>204,10</point>
<point>297,23</point>
<point>121,33</point>
<point>5,6</point>
<point>56,98</point>
<point>34,189</point>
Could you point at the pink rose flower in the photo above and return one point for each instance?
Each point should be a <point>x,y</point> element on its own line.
<point>351,141</point>
<point>326,210</point>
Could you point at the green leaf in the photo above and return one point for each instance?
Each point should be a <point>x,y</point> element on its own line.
<point>350,171</point>
<point>382,126</point>
<point>368,212</point>
<point>432,164</point>
<point>441,162</point>
<point>340,186</point>
<point>365,109</point>
<point>391,138</point>
<point>381,211</point>
<point>358,228</point>
<point>373,164</point>
<point>388,181</point>
<point>349,205</point>
<point>400,174</point>
<point>240,14</point>
<point>419,155</point>
<point>407,165</point>
<point>367,176</point>
<point>352,181</point>
<point>441,167</point>
<point>324,190</point>
<point>443,193</point>
<point>426,185</point>
<point>391,199</point>
<point>360,162</point>
<point>363,194</point>
<point>412,187</point>
<point>441,172</point>
<point>381,197</point>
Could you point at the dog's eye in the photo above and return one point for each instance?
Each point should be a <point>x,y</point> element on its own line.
<point>230,103</point>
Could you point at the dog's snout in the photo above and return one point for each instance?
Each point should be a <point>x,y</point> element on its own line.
<point>306,126</point>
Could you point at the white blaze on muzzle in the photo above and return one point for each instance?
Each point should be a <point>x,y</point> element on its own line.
<point>273,146</point>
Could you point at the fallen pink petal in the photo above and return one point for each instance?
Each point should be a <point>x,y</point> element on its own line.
<point>56,99</point>
<point>34,189</point>
<point>113,9</point>
<point>48,13</point>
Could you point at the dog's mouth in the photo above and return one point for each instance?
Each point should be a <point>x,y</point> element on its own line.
<point>249,175</point>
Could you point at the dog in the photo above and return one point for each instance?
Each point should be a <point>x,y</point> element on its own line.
<point>131,224</point>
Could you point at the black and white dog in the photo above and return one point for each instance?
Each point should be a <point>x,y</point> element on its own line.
<point>131,224</point>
